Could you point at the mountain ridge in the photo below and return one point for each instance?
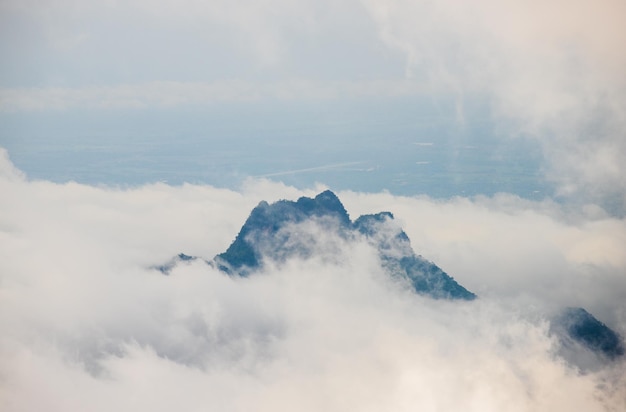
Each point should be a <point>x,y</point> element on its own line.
<point>267,224</point>
<point>271,232</point>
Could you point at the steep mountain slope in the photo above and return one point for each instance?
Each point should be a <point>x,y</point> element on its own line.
<point>271,233</point>
<point>580,332</point>
<point>308,227</point>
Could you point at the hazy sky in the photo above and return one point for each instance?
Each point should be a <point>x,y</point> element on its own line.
<point>551,71</point>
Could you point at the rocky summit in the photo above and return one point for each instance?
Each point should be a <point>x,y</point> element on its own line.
<point>268,234</point>
<point>288,229</point>
<point>577,327</point>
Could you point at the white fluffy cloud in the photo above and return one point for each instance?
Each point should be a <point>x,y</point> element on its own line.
<point>553,71</point>
<point>87,325</point>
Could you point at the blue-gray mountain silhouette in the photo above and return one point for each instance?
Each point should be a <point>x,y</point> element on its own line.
<point>263,232</point>
<point>167,267</point>
<point>269,233</point>
<point>278,232</point>
<point>583,328</point>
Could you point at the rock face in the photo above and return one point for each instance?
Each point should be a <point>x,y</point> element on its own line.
<point>399,259</point>
<point>167,267</point>
<point>265,233</point>
<point>579,326</point>
<point>288,229</point>
<point>270,232</point>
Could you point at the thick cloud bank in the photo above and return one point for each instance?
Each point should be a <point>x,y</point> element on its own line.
<point>87,325</point>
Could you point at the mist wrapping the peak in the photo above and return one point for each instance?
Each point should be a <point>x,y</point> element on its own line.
<point>88,323</point>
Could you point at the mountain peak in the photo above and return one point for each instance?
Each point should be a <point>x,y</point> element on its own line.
<point>286,229</point>
<point>328,197</point>
<point>267,234</point>
<point>261,229</point>
<point>582,327</point>
<point>324,204</point>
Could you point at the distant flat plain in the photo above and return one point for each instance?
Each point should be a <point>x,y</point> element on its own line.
<point>404,147</point>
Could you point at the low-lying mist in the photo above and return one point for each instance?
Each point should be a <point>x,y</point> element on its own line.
<point>89,324</point>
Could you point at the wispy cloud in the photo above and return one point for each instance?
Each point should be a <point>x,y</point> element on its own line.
<point>551,71</point>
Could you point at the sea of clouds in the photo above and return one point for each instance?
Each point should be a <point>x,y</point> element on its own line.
<point>88,324</point>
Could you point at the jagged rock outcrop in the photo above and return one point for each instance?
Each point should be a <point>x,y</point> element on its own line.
<point>399,259</point>
<point>288,229</point>
<point>167,267</point>
<point>578,330</point>
<point>265,234</point>
<point>268,234</point>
